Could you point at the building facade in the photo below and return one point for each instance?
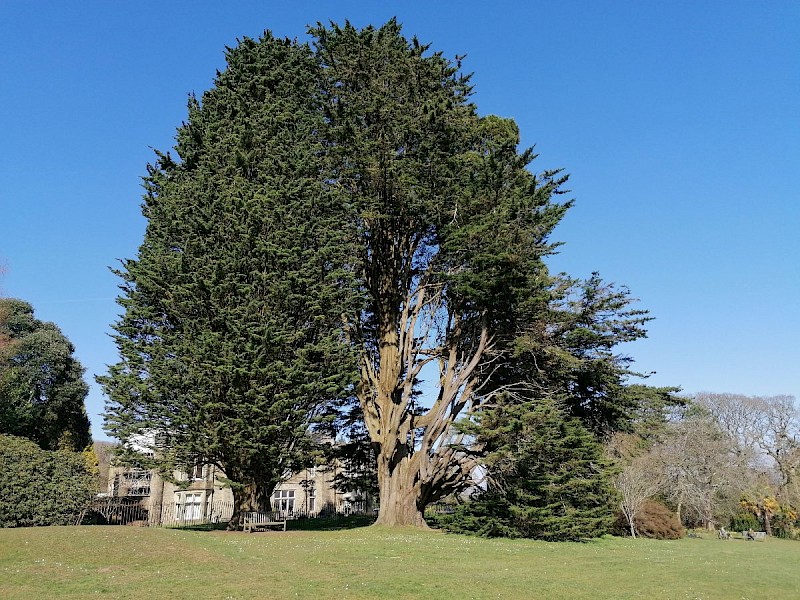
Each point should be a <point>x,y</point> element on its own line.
<point>202,496</point>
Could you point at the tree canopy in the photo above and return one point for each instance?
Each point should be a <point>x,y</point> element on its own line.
<point>342,209</point>
<point>42,390</point>
<point>546,477</point>
<point>231,339</point>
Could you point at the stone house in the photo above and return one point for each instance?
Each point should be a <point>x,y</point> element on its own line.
<point>201,496</point>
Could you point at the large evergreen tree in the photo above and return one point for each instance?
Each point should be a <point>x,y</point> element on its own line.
<point>350,185</point>
<point>231,338</point>
<point>42,391</point>
<point>570,351</point>
<point>450,229</point>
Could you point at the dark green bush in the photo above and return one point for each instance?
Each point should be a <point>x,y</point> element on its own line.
<point>744,521</point>
<point>39,487</point>
<point>550,479</point>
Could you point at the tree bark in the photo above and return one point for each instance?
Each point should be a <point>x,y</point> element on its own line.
<point>399,495</point>
<point>246,498</point>
<point>156,499</point>
<point>633,528</point>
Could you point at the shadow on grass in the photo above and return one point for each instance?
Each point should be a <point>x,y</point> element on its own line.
<point>330,524</point>
<point>308,524</point>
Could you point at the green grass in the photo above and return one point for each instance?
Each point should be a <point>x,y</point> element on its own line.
<point>371,562</point>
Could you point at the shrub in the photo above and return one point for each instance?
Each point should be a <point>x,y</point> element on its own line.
<point>654,521</point>
<point>550,479</point>
<point>743,521</point>
<point>40,487</point>
<point>784,523</point>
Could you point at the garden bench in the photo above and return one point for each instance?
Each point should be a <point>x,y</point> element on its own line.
<point>253,521</point>
<point>754,535</point>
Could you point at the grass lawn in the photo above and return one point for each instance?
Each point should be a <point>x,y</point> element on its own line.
<point>370,562</point>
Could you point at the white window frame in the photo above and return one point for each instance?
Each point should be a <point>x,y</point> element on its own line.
<point>283,501</point>
<point>190,506</point>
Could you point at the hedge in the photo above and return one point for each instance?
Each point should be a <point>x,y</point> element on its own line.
<point>39,487</point>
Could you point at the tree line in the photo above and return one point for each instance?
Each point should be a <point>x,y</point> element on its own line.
<point>723,460</point>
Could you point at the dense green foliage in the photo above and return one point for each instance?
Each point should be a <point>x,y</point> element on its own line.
<point>41,487</point>
<point>336,223</point>
<point>450,229</point>
<point>570,351</point>
<point>231,338</point>
<point>547,477</point>
<point>42,391</point>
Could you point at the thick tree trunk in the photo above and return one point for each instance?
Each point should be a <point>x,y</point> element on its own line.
<point>156,500</point>
<point>767,524</point>
<point>247,498</point>
<point>399,496</point>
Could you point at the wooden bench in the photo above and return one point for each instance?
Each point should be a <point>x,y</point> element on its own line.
<point>754,535</point>
<point>254,521</point>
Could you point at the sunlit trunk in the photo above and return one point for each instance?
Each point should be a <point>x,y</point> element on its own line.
<point>399,496</point>
<point>156,499</point>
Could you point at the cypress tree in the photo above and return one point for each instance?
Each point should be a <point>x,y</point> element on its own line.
<point>449,232</point>
<point>230,340</point>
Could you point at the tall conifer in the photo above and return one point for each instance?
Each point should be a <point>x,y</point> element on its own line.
<point>230,339</point>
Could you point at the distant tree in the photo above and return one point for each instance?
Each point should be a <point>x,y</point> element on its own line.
<point>547,477</point>
<point>42,390</point>
<point>104,452</point>
<point>778,436</point>
<point>5,334</point>
<point>41,487</point>
<point>699,468</point>
<point>761,427</point>
<point>231,339</point>
<point>636,484</point>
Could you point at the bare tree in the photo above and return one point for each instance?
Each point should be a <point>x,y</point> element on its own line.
<point>636,483</point>
<point>778,437</point>
<point>763,427</point>
<point>698,467</point>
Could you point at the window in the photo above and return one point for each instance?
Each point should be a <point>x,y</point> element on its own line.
<point>312,499</point>
<point>191,509</point>
<point>283,500</point>
<point>135,482</point>
<point>197,471</point>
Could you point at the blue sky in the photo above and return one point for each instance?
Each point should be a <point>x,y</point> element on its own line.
<point>679,123</point>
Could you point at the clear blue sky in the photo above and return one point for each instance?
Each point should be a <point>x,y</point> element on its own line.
<point>679,122</point>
